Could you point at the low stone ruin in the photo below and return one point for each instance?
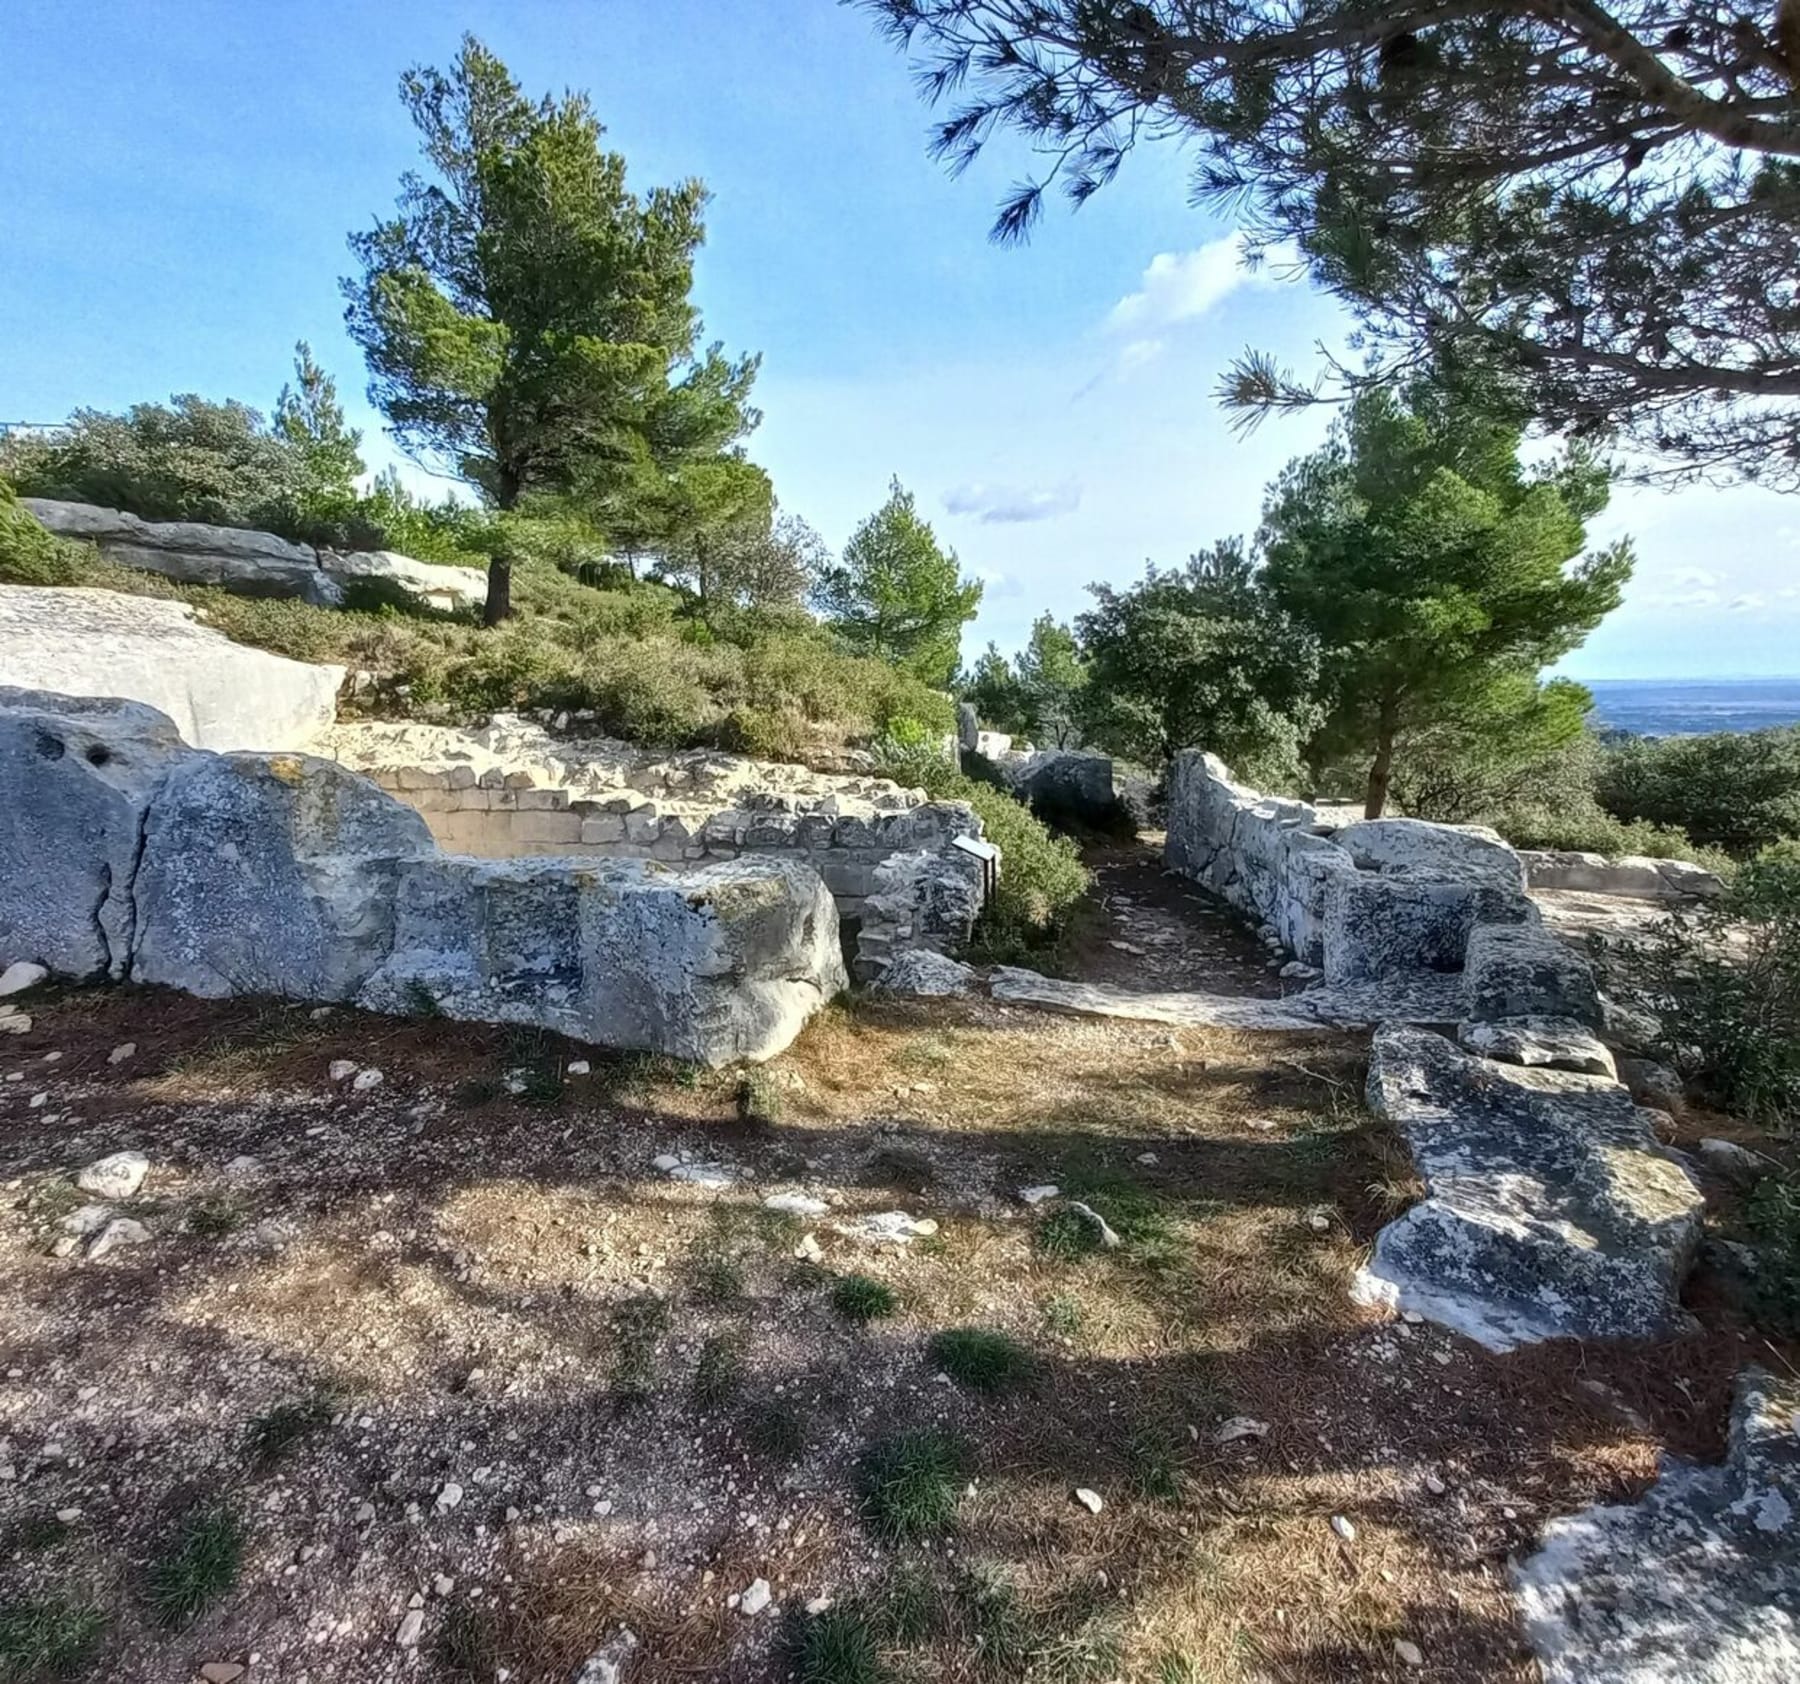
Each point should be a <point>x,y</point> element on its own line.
<point>1699,1583</point>
<point>889,857</point>
<point>127,854</point>
<point>254,563</point>
<point>221,695</point>
<point>1629,876</point>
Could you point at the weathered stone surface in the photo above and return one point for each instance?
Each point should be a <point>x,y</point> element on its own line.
<point>270,874</point>
<point>439,586</point>
<point>923,972</point>
<point>1065,785</point>
<point>1423,997</point>
<point>1380,922</point>
<point>715,964</point>
<point>1699,1583</point>
<point>1467,851</point>
<point>1525,970</point>
<point>1550,1210</point>
<point>250,563</point>
<point>77,776</point>
<point>1553,1043</point>
<point>1630,876</point>
<point>219,694</point>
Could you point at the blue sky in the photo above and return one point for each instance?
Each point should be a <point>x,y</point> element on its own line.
<point>181,174</point>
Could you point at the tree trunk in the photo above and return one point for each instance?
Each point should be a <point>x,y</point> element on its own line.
<point>499,589</point>
<point>1381,772</point>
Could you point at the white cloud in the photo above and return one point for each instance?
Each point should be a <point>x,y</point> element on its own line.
<point>1748,603</point>
<point>1180,285</point>
<point>1683,599</point>
<point>995,505</point>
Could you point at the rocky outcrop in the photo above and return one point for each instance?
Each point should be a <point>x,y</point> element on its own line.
<point>128,854</point>
<point>219,694</point>
<point>1630,876</point>
<point>1699,1583</point>
<point>1550,1210</point>
<point>252,563</point>
<point>1065,786</point>
<point>77,778</point>
<point>927,975</point>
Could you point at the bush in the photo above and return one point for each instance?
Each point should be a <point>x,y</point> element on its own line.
<point>29,555</point>
<point>1582,826</point>
<point>1725,984</point>
<point>1736,790</point>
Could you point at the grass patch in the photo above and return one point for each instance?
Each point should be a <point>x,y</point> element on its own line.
<point>910,1484</point>
<point>861,1299</point>
<point>1066,1235</point>
<point>720,1374</point>
<point>47,1637</point>
<point>276,1431</point>
<point>839,1646</point>
<point>775,1430</point>
<point>466,1647</point>
<point>718,1279</point>
<point>759,1099</point>
<point>637,1323</point>
<point>213,1219</point>
<point>1063,1315</point>
<point>200,1566</point>
<point>1153,1464</point>
<point>981,1359</point>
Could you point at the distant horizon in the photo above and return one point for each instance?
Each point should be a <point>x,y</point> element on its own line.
<point>1714,678</point>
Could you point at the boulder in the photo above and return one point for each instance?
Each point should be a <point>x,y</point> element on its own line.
<point>1698,1583</point>
<point>1551,1043</point>
<point>270,874</point>
<point>715,964</point>
<point>437,586</point>
<point>1550,1210</point>
<point>968,726</point>
<point>1064,786</point>
<point>1466,851</point>
<point>219,694</point>
<point>77,777</point>
<point>1525,970</point>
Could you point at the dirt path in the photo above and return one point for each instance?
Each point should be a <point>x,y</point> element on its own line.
<point>1146,928</point>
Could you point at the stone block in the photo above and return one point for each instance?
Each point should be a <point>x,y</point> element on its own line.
<point>1527,970</point>
<point>543,800</point>
<point>603,828</point>
<point>546,827</point>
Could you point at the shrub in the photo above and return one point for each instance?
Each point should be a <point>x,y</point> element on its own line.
<point>201,1565</point>
<point>837,1646</point>
<point>1582,826</point>
<point>1737,790</point>
<point>1725,984</point>
<point>859,1298</point>
<point>48,1637</point>
<point>29,555</point>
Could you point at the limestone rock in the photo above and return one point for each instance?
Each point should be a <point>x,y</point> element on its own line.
<point>219,694</point>
<point>607,1664</point>
<point>438,586</point>
<point>77,776</point>
<point>1552,1043</point>
<point>116,1177</point>
<point>270,874</point>
<point>1525,970</point>
<point>1654,1084</point>
<point>1466,851</point>
<point>723,962</point>
<point>922,972</point>
<point>1732,1162</point>
<point>20,975</point>
<point>1699,1583</point>
<point>1550,1210</point>
<point>121,1231</point>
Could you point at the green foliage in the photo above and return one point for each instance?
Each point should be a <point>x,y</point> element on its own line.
<point>1511,737</point>
<point>838,1646</point>
<point>759,1098</point>
<point>29,555</point>
<point>910,1483</point>
<point>1065,1235</point>
<point>1772,1217</point>
<point>1725,984</point>
<point>309,418</point>
<point>1581,825</point>
<point>48,1637</point>
<point>1200,657</point>
<point>1736,790</point>
<point>1432,565</point>
<point>897,594</point>
<point>861,1299</point>
<point>526,317</point>
<point>1037,696</point>
<point>200,1565</point>
<point>981,1359</point>
<point>637,1323</point>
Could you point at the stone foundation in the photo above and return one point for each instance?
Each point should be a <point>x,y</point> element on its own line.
<point>126,854</point>
<point>511,790</point>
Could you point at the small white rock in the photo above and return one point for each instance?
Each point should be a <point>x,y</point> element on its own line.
<point>341,1069</point>
<point>796,1204</point>
<point>412,1628</point>
<point>1037,1195</point>
<point>363,1080</point>
<point>114,1177</point>
<point>21,975</point>
<point>123,1231</point>
<point>756,1598</point>
<point>449,1495</point>
<point>1409,1654</point>
<point>442,1585</point>
<point>1240,1426</point>
<point>1341,1525</point>
<point>1089,1500</point>
<point>579,1067</point>
<point>123,1051</point>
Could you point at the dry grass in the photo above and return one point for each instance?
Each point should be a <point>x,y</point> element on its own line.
<point>649,1400</point>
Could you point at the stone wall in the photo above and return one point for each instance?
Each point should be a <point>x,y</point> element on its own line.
<point>127,854</point>
<point>252,563</point>
<point>1630,876</point>
<point>1368,899</point>
<point>512,790</point>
